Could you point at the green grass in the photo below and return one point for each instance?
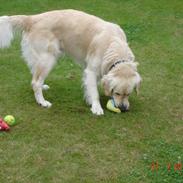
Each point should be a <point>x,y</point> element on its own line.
<point>66,143</point>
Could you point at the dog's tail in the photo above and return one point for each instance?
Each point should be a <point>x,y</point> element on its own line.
<point>8,25</point>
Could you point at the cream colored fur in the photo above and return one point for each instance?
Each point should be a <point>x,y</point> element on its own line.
<point>89,40</point>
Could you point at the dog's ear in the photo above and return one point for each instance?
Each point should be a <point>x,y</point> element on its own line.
<point>138,81</point>
<point>106,85</point>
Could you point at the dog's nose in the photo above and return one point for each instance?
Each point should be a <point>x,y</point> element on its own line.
<point>123,107</point>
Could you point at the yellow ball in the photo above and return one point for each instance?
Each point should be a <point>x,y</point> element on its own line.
<point>10,120</point>
<point>110,106</point>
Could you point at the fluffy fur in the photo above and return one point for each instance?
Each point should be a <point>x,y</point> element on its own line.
<point>6,32</point>
<point>91,41</point>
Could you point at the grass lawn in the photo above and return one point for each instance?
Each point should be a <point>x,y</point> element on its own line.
<point>67,144</point>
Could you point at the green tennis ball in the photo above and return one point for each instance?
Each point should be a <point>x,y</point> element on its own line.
<point>10,120</point>
<point>110,106</point>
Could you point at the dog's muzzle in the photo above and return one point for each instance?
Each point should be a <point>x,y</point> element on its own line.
<point>123,108</point>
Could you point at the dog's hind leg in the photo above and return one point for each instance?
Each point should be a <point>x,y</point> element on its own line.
<point>40,52</point>
<point>40,73</point>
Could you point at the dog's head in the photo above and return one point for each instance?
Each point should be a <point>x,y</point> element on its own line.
<point>120,82</point>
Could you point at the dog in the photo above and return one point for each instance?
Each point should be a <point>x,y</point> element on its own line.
<point>100,46</point>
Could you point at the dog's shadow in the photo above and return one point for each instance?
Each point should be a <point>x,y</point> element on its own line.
<point>103,100</point>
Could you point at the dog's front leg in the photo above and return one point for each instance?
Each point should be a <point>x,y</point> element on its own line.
<point>91,91</point>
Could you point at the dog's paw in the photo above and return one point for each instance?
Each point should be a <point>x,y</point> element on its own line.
<point>45,104</point>
<point>97,109</point>
<point>45,87</point>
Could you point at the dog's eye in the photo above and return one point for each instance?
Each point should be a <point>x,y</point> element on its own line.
<point>126,95</point>
<point>117,94</point>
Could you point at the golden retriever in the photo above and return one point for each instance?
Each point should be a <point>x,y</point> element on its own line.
<point>99,45</point>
